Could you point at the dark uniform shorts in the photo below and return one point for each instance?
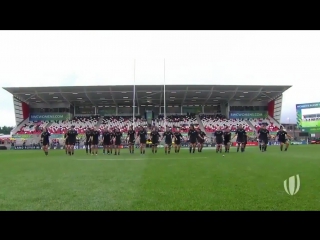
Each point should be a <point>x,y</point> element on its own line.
<point>264,140</point>
<point>154,142</point>
<point>283,140</point>
<point>240,140</point>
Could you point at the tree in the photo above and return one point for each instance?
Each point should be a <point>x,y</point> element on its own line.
<point>5,130</point>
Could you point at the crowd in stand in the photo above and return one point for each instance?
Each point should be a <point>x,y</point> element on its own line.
<point>210,123</point>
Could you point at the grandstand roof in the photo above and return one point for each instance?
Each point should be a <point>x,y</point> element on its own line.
<point>147,94</point>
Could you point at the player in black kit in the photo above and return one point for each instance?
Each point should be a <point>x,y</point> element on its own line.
<point>154,136</point>
<point>167,135</point>
<point>142,134</point>
<point>240,132</point>
<point>131,139</point>
<point>263,135</point>
<point>95,134</point>
<point>87,141</point>
<point>45,140</point>
<point>177,140</point>
<point>201,139</point>
<point>227,139</point>
<point>282,138</point>
<point>72,138</point>
<point>117,141</point>
<point>219,139</point>
<point>66,142</point>
<point>193,135</point>
<point>106,141</point>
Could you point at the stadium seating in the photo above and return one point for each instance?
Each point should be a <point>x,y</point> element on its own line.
<point>32,127</point>
<point>272,126</point>
<point>212,122</point>
<point>121,122</point>
<point>80,123</point>
<point>177,121</point>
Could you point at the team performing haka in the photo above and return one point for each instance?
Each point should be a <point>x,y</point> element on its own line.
<point>70,140</point>
<point>107,137</point>
<point>45,135</point>
<point>167,136</point>
<point>177,140</point>
<point>201,139</point>
<point>193,137</point>
<point>154,136</point>
<point>263,138</point>
<point>241,138</point>
<point>87,142</point>
<point>117,141</point>
<point>227,140</point>
<point>218,139</point>
<point>131,139</point>
<point>283,138</point>
<point>94,140</point>
<point>142,136</point>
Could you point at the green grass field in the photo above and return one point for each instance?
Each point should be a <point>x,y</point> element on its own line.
<point>310,124</point>
<point>201,181</point>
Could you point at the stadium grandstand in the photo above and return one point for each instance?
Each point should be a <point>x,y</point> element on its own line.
<point>176,106</point>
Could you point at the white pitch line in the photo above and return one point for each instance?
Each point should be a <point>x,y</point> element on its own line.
<point>128,159</point>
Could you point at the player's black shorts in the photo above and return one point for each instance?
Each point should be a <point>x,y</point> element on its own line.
<point>117,143</point>
<point>67,142</point>
<point>177,142</point>
<point>154,142</point>
<point>106,143</point>
<point>282,140</point>
<point>219,141</point>
<point>226,142</point>
<point>193,141</point>
<point>95,142</point>
<point>168,143</point>
<point>87,143</point>
<point>131,141</point>
<point>72,143</point>
<point>201,141</point>
<point>264,140</point>
<point>240,140</point>
<point>143,141</point>
<point>45,143</point>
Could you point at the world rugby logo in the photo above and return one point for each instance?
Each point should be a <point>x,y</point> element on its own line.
<point>292,185</point>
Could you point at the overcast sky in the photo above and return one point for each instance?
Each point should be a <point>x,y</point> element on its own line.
<point>67,58</point>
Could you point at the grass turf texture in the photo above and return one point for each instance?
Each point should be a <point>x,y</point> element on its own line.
<point>201,181</point>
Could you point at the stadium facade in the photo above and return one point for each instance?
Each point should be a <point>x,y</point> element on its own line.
<point>234,101</point>
<point>207,106</point>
